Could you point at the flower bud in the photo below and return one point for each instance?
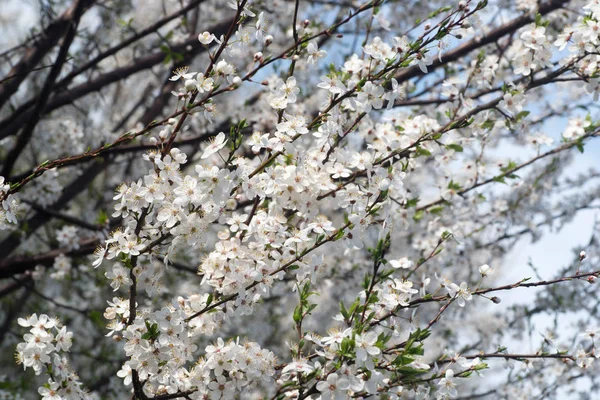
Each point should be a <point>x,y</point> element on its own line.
<point>190,85</point>
<point>231,204</point>
<point>496,300</point>
<point>582,255</point>
<point>591,279</point>
<point>258,57</point>
<point>485,270</point>
<point>268,40</point>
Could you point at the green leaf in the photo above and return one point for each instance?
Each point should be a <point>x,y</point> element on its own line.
<point>102,217</point>
<point>97,318</point>
<point>412,202</point>
<point>403,359</point>
<point>511,165</point>
<point>420,151</point>
<point>456,147</point>
<point>435,13</point>
<point>297,314</point>
<point>343,311</point>
<point>436,210</point>
<point>454,185</point>
<point>488,124</point>
<point>419,215</point>
<point>522,115</point>
<point>482,4</point>
<point>408,371</point>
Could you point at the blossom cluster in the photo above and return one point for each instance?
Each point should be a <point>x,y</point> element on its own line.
<point>171,204</point>
<point>160,345</point>
<point>10,206</point>
<point>347,192</point>
<point>43,350</point>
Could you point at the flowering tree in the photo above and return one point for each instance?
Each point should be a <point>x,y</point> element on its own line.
<point>316,203</point>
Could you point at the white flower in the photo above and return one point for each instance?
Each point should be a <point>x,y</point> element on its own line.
<point>332,84</point>
<point>42,323</point>
<point>68,237</point>
<point>370,97</point>
<point>422,60</point>
<point>125,373</point>
<point>539,139</point>
<point>402,263</point>
<point>119,276</point>
<point>333,388</point>
<point>63,339</point>
<point>365,349</point>
<point>206,38</point>
<point>513,104</point>
<point>221,388</point>
<point>591,333</point>
<point>397,92</point>
<point>524,64</point>
<point>61,267</point>
<point>378,49</point>
<point>279,103</point>
<point>582,359</point>
<point>261,26</point>
<point>447,384</point>
<point>182,73</point>
<point>404,286</point>
<point>50,392</point>
<point>314,54</point>
<point>301,366</point>
<point>203,84</point>
<point>534,39</point>
<point>485,270</point>
<point>216,144</point>
<point>461,293</point>
<point>286,93</point>
<point>576,128</point>
<point>258,141</point>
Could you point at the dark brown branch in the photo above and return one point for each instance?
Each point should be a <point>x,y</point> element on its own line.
<point>9,244</point>
<point>21,264</point>
<point>40,105</point>
<point>190,46</point>
<point>67,218</point>
<point>13,311</point>
<point>511,171</point>
<point>479,42</point>
<point>47,40</point>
